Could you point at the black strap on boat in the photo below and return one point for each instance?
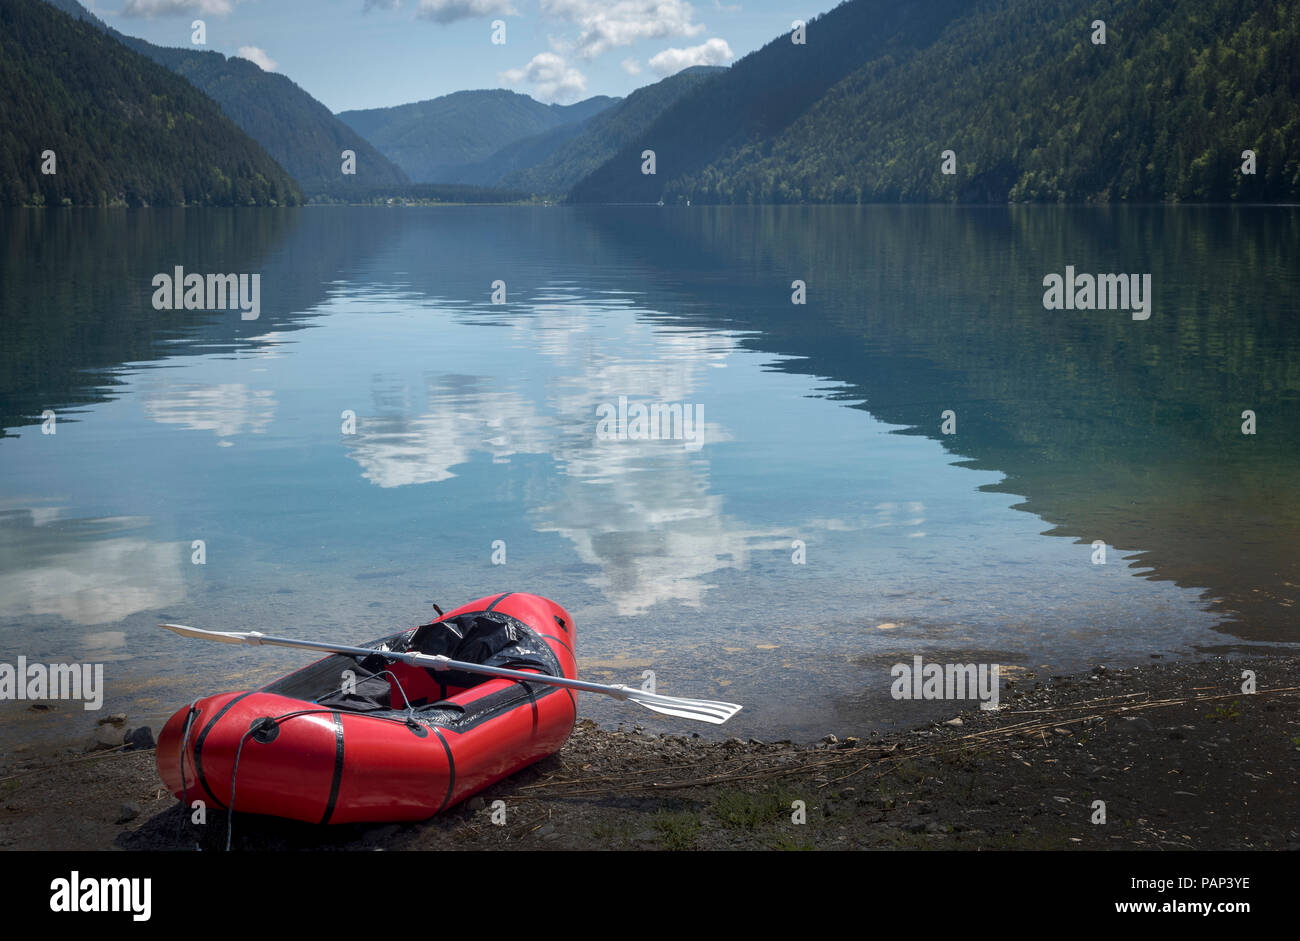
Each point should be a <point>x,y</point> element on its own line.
<point>185,789</point>
<point>265,729</point>
<point>338,768</point>
<point>203,737</point>
<point>451,770</point>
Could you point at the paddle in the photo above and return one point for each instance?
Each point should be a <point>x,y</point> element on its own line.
<point>703,710</point>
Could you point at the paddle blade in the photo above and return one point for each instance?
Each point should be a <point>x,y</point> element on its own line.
<point>221,637</point>
<point>702,710</point>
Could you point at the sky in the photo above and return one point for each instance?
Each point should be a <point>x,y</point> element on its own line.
<point>373,53</point>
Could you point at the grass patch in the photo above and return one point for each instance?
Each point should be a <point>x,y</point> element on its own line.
<point>677,829</point>
<point>611,834</point>
<point>908,771</point>
<point>1227,711</point>
<point>788,843</point>
<point>967,754</point>
<point>741,810</point>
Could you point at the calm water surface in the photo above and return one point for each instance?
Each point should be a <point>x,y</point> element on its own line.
<point>476,423</point>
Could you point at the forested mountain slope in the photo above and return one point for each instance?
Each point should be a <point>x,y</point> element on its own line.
<point>1031,107</point>
<point>572,156</point>
<point>435,141</point>
<point>123,129</point>
<point>301,134</point>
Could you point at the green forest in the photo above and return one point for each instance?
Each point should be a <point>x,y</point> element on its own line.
<point>972,101</point>
<point>123,130</point>
<point>435,141</point>
<point>604,134</point>
<point>1032,108</point>
<point>296,129</point>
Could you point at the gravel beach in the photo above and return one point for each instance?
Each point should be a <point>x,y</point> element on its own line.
<point>1176,753</point>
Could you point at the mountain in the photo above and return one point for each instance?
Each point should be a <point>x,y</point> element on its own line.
<point>297,130</point>
<point>77,11</point>
<point>764,92</point>
<point>123,129</point>
<point>553,162</point>
<point>442,139</point>
<point>1033,109</point>
<point>521,155</point>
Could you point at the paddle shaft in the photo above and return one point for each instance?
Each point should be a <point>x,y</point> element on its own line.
<point>438,662</point>
<point>703,710</point>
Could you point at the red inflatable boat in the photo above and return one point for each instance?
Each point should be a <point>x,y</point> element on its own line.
<point>365,739</point>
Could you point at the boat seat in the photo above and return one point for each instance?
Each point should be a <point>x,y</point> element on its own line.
<point>471,638</point>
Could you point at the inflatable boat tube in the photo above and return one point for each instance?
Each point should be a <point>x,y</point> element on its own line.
<point>353,739</point>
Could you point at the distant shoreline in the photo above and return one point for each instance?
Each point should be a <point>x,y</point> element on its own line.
<point>397,203</point>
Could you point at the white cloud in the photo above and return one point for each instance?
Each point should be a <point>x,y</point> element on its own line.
<point>152,8</point>
<point>227,409</point>
<point>76,572</point>
<point>552,77</point>
<point>258,57</point>
<point>671,61</point>
<point>449,11</point>
<point>397,451</point>
<point>607,25</point>
<point>631,66</point>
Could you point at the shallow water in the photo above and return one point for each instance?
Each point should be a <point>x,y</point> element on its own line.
<point>476,423</point>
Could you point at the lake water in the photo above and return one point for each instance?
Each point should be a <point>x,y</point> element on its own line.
<point>476,423</point>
